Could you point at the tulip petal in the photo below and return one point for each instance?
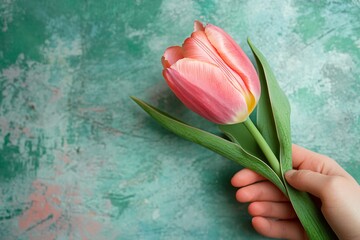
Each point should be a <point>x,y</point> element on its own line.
<point>171,56</point>
<point>201,87</point>
<point>235,58</point>
<point>198,47</point>
<point>198,26</point>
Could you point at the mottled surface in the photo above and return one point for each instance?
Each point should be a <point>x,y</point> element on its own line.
<point>79,160</point>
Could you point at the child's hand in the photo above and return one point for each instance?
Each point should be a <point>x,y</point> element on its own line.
<point>273,215</point>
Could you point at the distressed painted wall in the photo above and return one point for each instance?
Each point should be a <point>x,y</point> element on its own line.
<point>79,160</point>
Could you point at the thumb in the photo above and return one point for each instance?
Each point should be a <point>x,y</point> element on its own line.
<point>307,181</point>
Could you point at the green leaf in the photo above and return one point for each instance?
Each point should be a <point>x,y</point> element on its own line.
<point>239,134</point>
<point>213,142</point>
<point>273,116</point>
<point>273,121</point>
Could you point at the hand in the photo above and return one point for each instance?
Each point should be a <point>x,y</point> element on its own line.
<point>273,215</point>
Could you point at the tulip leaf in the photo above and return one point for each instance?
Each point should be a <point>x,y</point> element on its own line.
<point>273,112</point>
<point>240,134</point>
<point>213,142</point>
<point>273,121</point>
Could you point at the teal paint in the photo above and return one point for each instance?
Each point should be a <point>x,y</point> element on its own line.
<point>78,159</point>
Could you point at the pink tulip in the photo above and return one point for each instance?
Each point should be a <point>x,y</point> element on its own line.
<point>212,76</point>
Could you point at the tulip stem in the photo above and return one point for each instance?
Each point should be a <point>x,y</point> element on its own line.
<point>265,148</point>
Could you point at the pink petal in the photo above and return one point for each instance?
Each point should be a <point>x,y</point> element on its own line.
<point>198,47</point>
<point>198,26</point>
<point>235,58</point>
<point>201,87</point>
<point>171,56</point>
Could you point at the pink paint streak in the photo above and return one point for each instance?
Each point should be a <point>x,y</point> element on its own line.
<point>44,209</point>
<point>49,218</point>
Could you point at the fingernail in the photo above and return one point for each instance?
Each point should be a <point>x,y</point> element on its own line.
<point>290,173</point>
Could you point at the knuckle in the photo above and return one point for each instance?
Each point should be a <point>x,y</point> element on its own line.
<point>333,183</point>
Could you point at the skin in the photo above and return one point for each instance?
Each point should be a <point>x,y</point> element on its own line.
<point>273,216</point>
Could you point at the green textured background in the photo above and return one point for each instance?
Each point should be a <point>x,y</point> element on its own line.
<point>79,160</point>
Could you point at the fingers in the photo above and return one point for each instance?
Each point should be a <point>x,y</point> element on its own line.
<point>303,159</point>
<point>306,159</point>
<point>267,203</point>
<point>309,181</point>
<point>287,229</point>
<point>245,177</point>
<point>260,191</point>
<point>279,210</point>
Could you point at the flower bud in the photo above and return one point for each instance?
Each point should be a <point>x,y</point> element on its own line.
<point>212,75</point>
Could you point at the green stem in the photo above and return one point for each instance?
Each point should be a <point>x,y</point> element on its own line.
<point>272,159</point>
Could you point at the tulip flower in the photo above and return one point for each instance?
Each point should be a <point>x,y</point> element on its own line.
<point>212,75</point>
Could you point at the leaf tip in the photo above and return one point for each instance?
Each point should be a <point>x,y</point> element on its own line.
<point>135,99</point>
